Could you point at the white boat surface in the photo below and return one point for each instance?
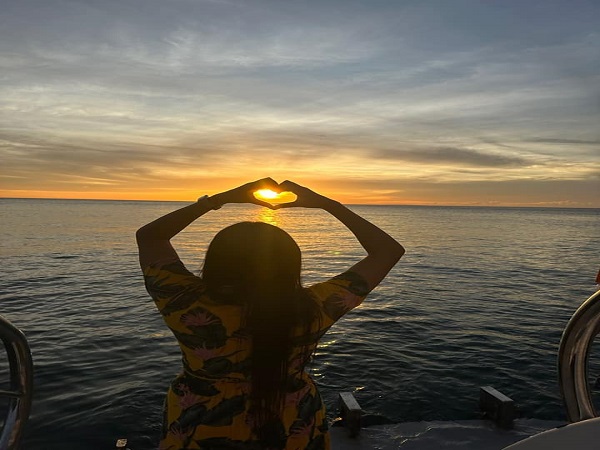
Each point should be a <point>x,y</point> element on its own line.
<point>527,434</point>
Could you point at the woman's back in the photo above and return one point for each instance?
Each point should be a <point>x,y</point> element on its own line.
<point>210,399</point>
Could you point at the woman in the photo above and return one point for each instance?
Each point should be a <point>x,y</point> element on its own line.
<point>246,328</point>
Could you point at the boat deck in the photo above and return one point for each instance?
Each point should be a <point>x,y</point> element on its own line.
<point>438,435</point>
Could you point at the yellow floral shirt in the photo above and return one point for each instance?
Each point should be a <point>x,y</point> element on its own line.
<point>207,404</point>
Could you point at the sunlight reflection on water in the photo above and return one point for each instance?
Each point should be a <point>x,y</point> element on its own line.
<point>268,216</point>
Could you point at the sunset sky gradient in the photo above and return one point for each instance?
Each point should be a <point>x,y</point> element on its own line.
<point>392,102</point>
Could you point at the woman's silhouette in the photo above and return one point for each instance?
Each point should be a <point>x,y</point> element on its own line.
<point>247,328</point>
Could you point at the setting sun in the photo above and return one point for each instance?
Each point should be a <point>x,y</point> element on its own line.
<point>275,197</point>
<point>266,194</point>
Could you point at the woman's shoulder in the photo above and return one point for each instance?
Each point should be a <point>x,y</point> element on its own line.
<point>169,279</point>
<point>167,267</point>
<point>339,294</point>
<point>349,281</point>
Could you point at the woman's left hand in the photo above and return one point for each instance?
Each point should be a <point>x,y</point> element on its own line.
<point>245,193</point>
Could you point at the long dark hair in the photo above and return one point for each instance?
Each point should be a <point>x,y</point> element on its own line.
<point>258,265</point>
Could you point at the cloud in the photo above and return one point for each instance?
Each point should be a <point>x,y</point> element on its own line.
<point>453,156</point>
<point>563,141</point>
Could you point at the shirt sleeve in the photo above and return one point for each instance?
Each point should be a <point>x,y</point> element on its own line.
<point>339,295</point>
<point>171,286</point>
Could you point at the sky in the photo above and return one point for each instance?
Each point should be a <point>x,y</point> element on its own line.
<point>441,102</point>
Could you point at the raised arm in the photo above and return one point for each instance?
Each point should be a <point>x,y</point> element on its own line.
<point>154,238</point>
<point>383,251</point>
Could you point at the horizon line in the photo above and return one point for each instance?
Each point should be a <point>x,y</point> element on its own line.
<point>465,205</point>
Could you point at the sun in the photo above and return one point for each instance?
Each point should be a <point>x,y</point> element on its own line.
<point>275,198</point>
<point>266,194</point>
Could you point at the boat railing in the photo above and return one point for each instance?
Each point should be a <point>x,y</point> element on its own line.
<point>20,388</point>
<point>573,358</point>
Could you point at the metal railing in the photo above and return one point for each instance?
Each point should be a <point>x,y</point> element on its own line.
<point>573,356</point>
<point>20,389</point>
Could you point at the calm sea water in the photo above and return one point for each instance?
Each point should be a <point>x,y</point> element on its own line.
<point>480,298</point>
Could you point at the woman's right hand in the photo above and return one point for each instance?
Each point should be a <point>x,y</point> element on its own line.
<point>305,197</point>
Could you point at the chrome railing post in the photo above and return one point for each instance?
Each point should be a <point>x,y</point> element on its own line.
<point>20,389</point>
<point>573,355</point>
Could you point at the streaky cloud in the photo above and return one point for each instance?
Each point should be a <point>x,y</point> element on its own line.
<point>454,156</point>
<point>563,141</point>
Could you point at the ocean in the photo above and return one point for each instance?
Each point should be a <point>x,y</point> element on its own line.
<point>480,298</point>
